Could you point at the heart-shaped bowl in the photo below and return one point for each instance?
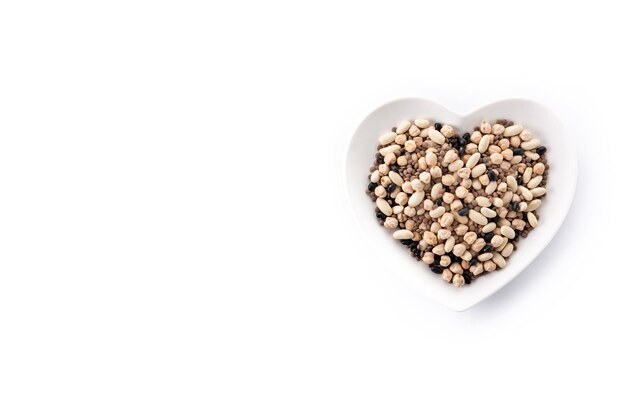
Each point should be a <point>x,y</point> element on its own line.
<point>561,185</point>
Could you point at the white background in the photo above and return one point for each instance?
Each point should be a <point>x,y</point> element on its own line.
<point>175,239</point>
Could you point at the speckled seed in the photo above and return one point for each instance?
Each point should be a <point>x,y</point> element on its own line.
<point>531,144</point>
<point>414,130</point>
<point>513,130</point>
<point>400,139</point>
<point>387,138</point>
<point>483,201</point>
<point>410,145</point>
<point>472,161</point>
<point>443,234</point>
<point>484,143</point>
<point>430,238</point>
<point>534,182</point>
<point>384,206</point>
<point>498,259</point>
<point>407,188</point>
<point>532,219</point>
<point>437,137</point>
<point>416,199</point>
<point>479,170</point>
<point>533,205</point>
<point>446,275</point>
<point>508,232</point>
<point>425,177</point>
<point>485,256</point>
<point>512,183</point>
<point>391,223</point>
<point>431,159</point>
<point>422,123</point>
<point>476,217</point>
<point>403,234</point>
<point>389,149</point>
<point>538,192</point>
<point>403,127</point>
<point>487,212</point>
<point>402,198</point>
<point>455,166</point>
<point>525,192</point>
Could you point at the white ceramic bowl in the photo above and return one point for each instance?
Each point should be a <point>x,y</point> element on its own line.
<point>561,185</point>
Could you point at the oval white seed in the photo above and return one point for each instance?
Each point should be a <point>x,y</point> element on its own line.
<point>532,219</point>
<point>534,182</point>
<point>525,193</point>
<point>389,149</point>
<point>496,241</point>
<point>487,212</point>
<point>438,212</point>
<point>484,143</point>
<point>472,161</point>
<point>437,137</point>
<point>531,144</point>
<point>490,227</point>
<point>498,259</point>
<point>402,127</point>
<point>478,218</point>
<point>395,177</point>
<point>387,138</point>
<point>416,198</point>
<point>513,130</point>
<point>508,250</point>
<point>533,205</point>
<point>482,201</point>
<point>455,166</point>
<point>512,183</point>
<point>491,187</point>
<point>485,256</point>
<point>422,123</point>
<point>507,231</point>
<point>538,192</point>
<point>403,234</point>
<point>479,170</point>
<point>384,206</point>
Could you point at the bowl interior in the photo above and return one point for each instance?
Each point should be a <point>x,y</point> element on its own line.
<point>561,185</point>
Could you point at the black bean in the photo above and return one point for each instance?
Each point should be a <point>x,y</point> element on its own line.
<point>467,278</point>
<point>488,236</point>
<point>394,167</point>
<point>520,180</point>
<point>380,215</point>
<point>461,150</point>
<point>393,129</point>
<point>406,242</point>
<point>436,269</point>
<point>371,186</point>
<point>486,248</point>
<point>380,159</point>
<point>437,126</point>
<point>463,141</point>
<point>492,175</point>
<point>518,151</point>
<point>473,262</point>
<point>464,211</point>
<point>439,201</point>
<point>466,136</point>
<point>391,188</point>
<point>515,205</point>
<point>541,150</point>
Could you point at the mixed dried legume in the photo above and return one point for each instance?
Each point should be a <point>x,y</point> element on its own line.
<point>459,202</point>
